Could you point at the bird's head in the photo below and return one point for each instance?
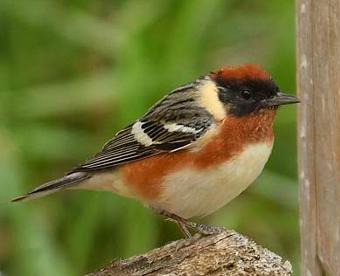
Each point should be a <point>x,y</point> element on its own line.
<point>248,90</point>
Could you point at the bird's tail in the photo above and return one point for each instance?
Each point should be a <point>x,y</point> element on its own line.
<point>54,186</point>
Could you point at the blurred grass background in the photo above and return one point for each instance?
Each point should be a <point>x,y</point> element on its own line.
<point>73,72</point>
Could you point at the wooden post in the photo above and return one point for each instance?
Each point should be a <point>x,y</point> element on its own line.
<point>318,67</point>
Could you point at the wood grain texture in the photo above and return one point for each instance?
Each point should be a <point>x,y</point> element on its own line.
<point>227,253</point>
<point>318,67</point>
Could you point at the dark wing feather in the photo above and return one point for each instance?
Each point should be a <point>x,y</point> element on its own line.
<point>122,149</point>
<point>191,122</point>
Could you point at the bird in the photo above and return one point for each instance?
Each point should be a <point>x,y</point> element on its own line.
<point>192,152</point>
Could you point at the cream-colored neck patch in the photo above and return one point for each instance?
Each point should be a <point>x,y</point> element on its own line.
<point>209,99</point>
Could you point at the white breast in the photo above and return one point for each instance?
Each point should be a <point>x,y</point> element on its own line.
<point>190,193</point>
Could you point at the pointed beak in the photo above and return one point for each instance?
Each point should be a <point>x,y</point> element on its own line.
<point>280,99</point>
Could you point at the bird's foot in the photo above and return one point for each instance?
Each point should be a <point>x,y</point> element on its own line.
<point>185,225</point>
<point>206,229</point>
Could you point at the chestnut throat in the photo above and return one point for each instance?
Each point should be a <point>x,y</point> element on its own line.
<point>257,127</point>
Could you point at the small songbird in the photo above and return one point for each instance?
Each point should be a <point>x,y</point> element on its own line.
<point>194,151</point>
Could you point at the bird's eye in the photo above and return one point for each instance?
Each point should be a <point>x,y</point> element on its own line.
<point>246,94</point>
<point>222,89</point>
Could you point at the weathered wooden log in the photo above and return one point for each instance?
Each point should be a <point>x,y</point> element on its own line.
<point>227,253</point>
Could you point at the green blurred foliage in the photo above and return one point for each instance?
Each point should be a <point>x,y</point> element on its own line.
<point>73,72</point>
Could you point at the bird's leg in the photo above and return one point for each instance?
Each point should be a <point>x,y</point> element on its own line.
<point>181,222</point>
<point>184,229</point>
<point>184,224</point>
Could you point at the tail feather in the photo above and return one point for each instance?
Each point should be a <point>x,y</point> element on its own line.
<point>54,186</point>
